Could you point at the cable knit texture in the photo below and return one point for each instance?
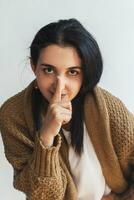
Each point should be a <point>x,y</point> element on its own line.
<point>44,172</point>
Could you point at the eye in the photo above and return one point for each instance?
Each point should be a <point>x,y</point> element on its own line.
<point>48,70</point>
<point>73,72</point>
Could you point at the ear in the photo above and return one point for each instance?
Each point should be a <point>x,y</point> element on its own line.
<point>32,65</point>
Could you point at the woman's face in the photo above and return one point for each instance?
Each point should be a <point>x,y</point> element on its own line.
<point>58,62</point>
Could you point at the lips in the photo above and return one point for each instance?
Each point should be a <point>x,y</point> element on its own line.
<point>52,93</point>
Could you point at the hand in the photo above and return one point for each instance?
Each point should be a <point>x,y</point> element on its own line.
<point>59,112</point>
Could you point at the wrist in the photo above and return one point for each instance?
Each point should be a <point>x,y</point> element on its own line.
<point>46,140</point>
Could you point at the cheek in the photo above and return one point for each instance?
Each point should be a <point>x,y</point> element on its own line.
<point>79,81</point>
<point>76,85</point>
<point>44,85</point>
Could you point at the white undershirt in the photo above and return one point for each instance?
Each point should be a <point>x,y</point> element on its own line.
<point>86,170</point>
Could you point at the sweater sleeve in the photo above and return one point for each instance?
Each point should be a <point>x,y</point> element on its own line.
<point>122,132</point>
<point>37,170</point>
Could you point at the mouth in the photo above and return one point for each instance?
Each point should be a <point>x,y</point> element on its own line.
<point>62,95</point>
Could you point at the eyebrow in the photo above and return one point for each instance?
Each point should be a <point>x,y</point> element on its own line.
<point>48,65</point>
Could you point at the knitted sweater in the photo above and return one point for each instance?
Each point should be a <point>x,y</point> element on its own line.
<point>44,173</point>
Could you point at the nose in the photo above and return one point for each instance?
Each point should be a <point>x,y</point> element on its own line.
<point>63,82</point>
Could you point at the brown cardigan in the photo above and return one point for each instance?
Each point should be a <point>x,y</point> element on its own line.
<point>44,173</point>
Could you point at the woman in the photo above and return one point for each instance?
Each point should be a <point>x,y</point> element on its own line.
<point>66,137</point>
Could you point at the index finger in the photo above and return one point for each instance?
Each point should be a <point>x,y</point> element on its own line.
<point>57,95</point>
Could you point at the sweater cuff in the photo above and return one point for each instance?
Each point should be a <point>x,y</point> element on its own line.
<point>45,160</point>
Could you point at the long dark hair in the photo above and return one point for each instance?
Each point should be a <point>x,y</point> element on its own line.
<point>71,33</point>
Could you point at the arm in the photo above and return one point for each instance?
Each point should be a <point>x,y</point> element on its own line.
<point>37,170</point>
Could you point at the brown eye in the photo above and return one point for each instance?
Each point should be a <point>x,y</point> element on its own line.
<point>73,72</point>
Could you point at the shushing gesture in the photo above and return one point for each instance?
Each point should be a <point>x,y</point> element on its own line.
<point>59,112</point>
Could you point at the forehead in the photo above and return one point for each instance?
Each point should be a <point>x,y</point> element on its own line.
<point>59,56</point>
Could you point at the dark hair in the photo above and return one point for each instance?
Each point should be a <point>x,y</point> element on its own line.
<point>72,33</point>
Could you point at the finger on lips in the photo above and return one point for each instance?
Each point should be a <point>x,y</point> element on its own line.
<point>57,95</point>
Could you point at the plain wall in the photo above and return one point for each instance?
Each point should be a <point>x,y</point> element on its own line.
<point>110,21</point>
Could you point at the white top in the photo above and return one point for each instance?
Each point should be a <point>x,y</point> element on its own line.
<point>86,170</point>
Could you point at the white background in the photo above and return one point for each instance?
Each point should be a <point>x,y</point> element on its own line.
<point>110,21</point>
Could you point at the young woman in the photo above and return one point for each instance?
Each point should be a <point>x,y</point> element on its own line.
<point>66,137</point>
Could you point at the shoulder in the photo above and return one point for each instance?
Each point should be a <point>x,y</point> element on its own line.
<point>113,103</point>
<point>13,125</point>
<point>120,117</point>
<point>108,96</point>
<point>121,122</point>
<point>11,115</point>
<point>12,106</point>
<point>15,105</point>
